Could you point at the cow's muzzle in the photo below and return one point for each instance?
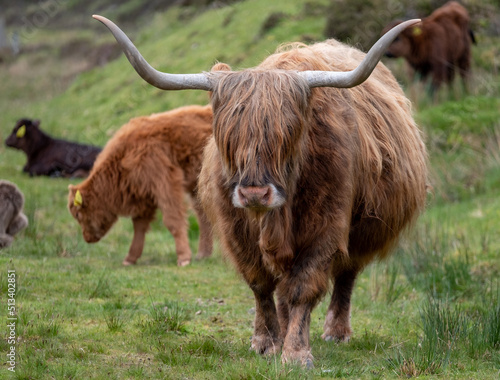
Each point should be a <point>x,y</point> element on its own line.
<point>257,197</point>
<point>90,238</point>
<point>10,141</point>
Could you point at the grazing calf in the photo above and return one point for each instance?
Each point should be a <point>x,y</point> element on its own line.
<point>12,218</point>
<point>49,156</point>
<point>310,175</point>
<point>150,163</point>
<point>438,46</point>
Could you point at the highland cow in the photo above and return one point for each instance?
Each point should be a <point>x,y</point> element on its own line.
<point>49,156</point>
<point>150,163</point>
<point>310,175</point>
<point>438,46</point>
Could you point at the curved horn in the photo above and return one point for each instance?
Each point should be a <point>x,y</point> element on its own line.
<point>154,77</point>
<point>362,72</point>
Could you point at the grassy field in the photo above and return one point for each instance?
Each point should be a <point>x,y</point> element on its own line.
<point>431,311</point>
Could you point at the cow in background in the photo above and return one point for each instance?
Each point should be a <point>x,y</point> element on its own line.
<point>49,156</point>
<point>438,46</point>
<point>310,175</point>
<point>150,163</point>
<point>12,218</point>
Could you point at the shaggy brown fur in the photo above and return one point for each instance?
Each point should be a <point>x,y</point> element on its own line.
<point>49,156</point>
<point>12,218</point>
<point>439,45</point>
<point>350,165</point>
<point>148,164</point>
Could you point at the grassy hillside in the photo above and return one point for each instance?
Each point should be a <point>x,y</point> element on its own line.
<point>432,310</point>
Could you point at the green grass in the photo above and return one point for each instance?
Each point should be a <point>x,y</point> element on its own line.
<point>432,310</point>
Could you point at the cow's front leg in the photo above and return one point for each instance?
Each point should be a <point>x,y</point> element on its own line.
<point>141,226</point>
<point>296,348</point>
<point>306,283</point>
<point>283,310</point>
<point>266,338</point>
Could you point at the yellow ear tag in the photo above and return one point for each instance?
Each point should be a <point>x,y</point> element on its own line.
<point>417,31</point>
<point>78,198</point>
<point>21,132</point>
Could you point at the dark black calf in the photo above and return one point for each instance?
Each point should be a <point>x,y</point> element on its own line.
<point>49,156</point>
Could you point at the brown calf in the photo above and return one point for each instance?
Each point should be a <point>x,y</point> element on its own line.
<point>309,176</point>
<point>438,46</point>
<point>150,163</point>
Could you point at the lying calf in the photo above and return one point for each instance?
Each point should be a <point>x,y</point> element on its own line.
<point>49,156</point>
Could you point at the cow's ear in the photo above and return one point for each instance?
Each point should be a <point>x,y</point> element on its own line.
<point>221,67</point>
<point>78,200</point>
<point>76,195</point>
<point>36,123</point>
<point>21,131</point>
<point>416,31</point>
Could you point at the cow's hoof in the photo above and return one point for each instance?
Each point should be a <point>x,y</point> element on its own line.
<point>339,334</point>
<point>339,339</point>
<point>127,263</point>
<point>183,263</point>
<point>265,345</point>
<point>302,357</point>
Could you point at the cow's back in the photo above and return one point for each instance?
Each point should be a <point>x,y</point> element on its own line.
<point>72,156</point>
<point>453,12</point>
<point>451,22</point>
<point>159,141</point>
<point>371,125</point>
